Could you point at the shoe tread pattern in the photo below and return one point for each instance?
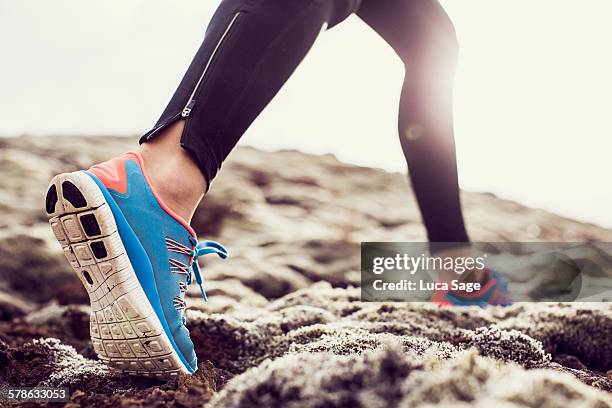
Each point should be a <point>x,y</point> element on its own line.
<point>125,332</point>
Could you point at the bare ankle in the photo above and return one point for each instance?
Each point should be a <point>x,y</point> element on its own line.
<point>174,174</point>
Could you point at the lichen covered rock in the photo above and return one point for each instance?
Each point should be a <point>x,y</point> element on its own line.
<point>285,325</point>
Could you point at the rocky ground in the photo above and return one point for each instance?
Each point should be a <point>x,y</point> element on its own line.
<point>284,326</point>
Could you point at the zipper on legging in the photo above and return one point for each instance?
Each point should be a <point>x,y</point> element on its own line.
<point>191,102</point>
<point>165,124</point>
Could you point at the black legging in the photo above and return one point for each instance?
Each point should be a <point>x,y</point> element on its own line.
<point>252,47</point>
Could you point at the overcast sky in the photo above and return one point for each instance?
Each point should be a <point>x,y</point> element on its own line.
<point>533,111</point>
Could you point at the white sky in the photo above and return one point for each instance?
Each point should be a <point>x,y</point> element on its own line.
<point>533,112</point>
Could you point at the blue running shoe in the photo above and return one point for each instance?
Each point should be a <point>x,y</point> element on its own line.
<point>135,258</point>
<point>493,292</point>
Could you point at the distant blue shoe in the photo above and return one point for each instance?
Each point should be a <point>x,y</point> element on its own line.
<point>493,292</point>
<point>135,258</point>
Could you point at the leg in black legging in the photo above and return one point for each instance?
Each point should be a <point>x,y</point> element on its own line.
<point>250,49</point>
<point>423,36</point>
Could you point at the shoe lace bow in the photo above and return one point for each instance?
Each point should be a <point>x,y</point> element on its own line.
<point>193,269</point>
<point>201,249</point>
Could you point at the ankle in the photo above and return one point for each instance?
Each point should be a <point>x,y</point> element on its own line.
<point>176,179</point>
<point>176,184</point>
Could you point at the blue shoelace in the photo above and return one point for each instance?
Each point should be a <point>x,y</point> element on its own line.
<point>201,249</point>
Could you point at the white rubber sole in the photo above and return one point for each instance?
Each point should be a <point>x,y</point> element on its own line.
<point>126,334</point>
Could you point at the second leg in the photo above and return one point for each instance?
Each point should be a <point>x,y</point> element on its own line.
<point>422,35</point>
